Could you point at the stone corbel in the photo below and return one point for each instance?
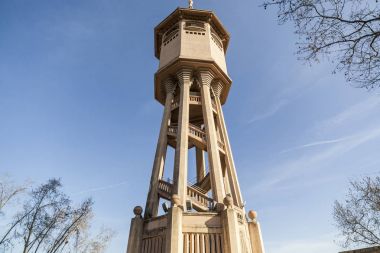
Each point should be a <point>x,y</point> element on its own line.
<point>184,75</point>
<point>217,87</point>
<point>205,77</point>
<point>168,86</point>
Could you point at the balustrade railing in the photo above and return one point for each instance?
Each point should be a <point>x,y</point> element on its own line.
<point>154,244</point>
<point>165,186</point>
<point>203,242</point>
<point>193,183</point>
<point>197,132</point>
<point>194,99</point>
<point>172,130</point>
<point>195,195</point>
<point>199,197</point>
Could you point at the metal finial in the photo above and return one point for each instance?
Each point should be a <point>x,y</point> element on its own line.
<point>191,3</point>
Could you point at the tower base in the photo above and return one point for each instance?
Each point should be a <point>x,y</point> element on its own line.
<point>193,232</point>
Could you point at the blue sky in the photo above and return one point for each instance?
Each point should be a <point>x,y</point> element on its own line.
<point>76,102</point>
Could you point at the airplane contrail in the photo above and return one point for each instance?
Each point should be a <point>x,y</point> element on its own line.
<point>101,188</point>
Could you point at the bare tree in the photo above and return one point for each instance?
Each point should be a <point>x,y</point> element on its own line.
<point>84,243</point>
<point>8,191</point>
<point>358,217</point>
<point>48,222</point>
<point>346,31</point>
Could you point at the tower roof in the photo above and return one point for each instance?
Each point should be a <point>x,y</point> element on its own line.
<point>194,14</point>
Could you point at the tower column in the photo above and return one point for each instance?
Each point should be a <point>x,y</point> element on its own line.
<point>152,202</point>
<point>218,191</point>
<point>201,167</point>
<point>182,146</point>
<point>174,238</point>
<point>136,231</point>
<point>255,233</point>
<point>217,87</point>
<point>231,231</point>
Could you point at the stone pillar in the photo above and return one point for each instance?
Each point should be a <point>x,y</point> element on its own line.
<point>226,181</point>
<point>216,176</point>
<point>151,208</point>
<point>217,87</point>
<point>255,233</point>
<point>174,238</point>
<point>201,167</point>
<point>182,146</point>
<point>136,232</point>
<point>231,228</point>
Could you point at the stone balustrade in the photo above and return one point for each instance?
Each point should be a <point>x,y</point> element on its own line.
<point>203,242</point>
<point>198,134</point>
<point>193,100</point>
<point>199,198</point>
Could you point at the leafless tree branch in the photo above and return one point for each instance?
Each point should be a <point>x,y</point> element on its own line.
<point>48,223</point>
<point>345,30</point>
<point>358,218</point>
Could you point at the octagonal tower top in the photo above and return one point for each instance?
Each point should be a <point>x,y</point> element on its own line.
<point>190,14</point>
<point>191,38</point>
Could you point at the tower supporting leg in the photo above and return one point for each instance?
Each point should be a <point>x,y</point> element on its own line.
<point>135,234</point>
<point>174,238</point>
<point>200,160</point>
<point>256,238</point>
<point>231,231</point>
<point>218,190</point>
<point>152,202</point>
<point>231,171</point>
<point>226,179</point>
<point>181,151</point>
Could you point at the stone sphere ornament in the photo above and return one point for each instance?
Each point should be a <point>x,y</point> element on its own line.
<point>228,201</point>
<point>219,207</point>
<point>176,200</point>
<point>137,210</point>
<point>252,215</point>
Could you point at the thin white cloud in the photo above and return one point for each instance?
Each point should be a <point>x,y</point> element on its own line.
<point>293,89</point>
<point>355,112</point>
<point>325,245</point>
<point>335,147</point>
<point>316,143</point>
<point>292,168</point>
<point>309,184</point>
<point>270,112</point>
<point>101,188</point>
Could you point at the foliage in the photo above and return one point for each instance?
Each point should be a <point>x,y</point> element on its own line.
<point>346,31</point>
